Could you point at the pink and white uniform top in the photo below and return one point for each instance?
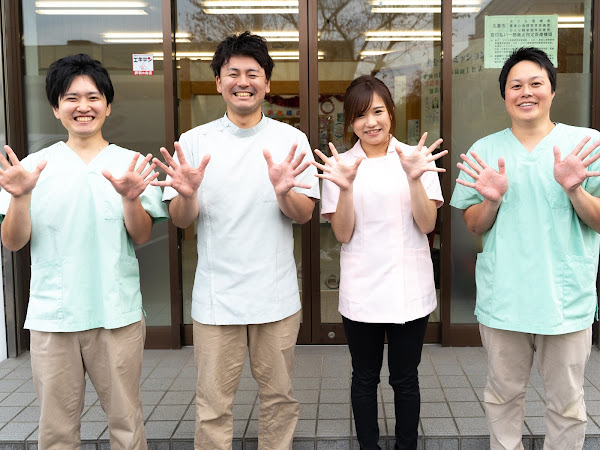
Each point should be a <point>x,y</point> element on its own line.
<point>386,269</point>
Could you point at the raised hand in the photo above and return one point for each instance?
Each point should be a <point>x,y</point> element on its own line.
<point>337,172</point>
<point>491,184</point>
<point>283,176</point>
<point>185,179</point>
<point>417,163</point>
<point>134,181</point>
<point>14,178</point>
<point>572,171</point>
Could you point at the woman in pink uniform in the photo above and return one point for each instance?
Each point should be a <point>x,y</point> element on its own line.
<point>381,198</point>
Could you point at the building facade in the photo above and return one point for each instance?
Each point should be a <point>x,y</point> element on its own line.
<point>438,57</point>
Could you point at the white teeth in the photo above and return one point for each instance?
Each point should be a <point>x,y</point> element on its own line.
<point>243,94</point>
<point>83,119</point>
<point>527,104</point>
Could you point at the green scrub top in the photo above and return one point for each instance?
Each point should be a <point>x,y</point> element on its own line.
<point>537,271</point>
<point>84,272</point>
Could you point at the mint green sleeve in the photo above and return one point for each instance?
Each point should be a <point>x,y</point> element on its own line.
<point>152,202</point>
<point>464,196</point>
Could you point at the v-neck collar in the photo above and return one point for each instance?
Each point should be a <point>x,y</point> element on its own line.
<point>534,151</point>
<point>92,162</point>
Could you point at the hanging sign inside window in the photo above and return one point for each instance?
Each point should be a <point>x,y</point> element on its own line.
<point>504,34</point>
<point>143,64</point>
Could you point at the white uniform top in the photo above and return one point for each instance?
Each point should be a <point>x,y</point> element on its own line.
<point>246,272</point>
<point>386,270</point>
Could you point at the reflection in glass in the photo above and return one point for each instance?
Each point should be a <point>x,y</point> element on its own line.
<point>206,23</point>
<point>137,121</point>
<point>401,46</point>
<point>478,108</point>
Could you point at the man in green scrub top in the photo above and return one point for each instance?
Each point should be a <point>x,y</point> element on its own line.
<point>531,192</point>
<point>82,204</point>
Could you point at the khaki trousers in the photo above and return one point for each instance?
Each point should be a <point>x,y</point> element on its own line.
<point>561,362</point>
<point>113,360</point>
<point>219,351</point>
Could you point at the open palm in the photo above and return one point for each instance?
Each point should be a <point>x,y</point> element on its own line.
<point>336,171</point>
<point>14,178</point>
<point>572,171</point>
<point>491,184</point>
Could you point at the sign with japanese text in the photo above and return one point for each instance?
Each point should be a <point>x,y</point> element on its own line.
<point>504,34</point>
<point>143,64</point>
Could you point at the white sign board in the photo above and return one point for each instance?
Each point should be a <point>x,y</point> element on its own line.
<point>505,34</point>
<point>143,64</point>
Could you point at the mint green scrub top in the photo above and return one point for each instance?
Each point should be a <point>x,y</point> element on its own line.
<point>537,271</point>
<point>84,272</point>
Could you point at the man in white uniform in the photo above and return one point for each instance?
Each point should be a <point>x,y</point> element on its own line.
<point>245,291</point>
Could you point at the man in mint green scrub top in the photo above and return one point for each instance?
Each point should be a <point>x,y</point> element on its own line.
<point>82,204</point>
<point>531,192</point>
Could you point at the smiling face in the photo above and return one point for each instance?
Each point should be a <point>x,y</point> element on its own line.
<point>528,94</point>
<point>82,109</point>
<point>243,85</point>
<point>372,127</point>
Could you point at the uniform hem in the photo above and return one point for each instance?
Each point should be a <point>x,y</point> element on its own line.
<point>572,327</point>
<point>58,326</point>
<point>253,320</point>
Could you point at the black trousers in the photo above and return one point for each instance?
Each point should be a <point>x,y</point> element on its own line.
<point>405,342</point>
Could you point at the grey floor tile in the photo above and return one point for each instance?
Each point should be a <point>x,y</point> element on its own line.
<point>439,427</point>
<point>335,383</point>
<point>19,399</point>
<point>449,369</point>
<point>28,414</point>
<point>162,429</point>
<point>429,381</point>
<point>92,430</point>
<point>178,398</point>
<point>435,410</point>
<point>183,384</point>
<point>239,428</point>
<point>305,429</point>
<point>333,444</point>
<point>168,412</point>
<point>453,381</point>
<point>308,411</point>
<point>94,414</point>
<point>432,395</point>
<point>333,428</point>
<point>335,396</point>
<point>248,384</point>
<point>308,383</point>
<point>441,444</point>
<point>303,444</point>
<point>535,409</point>
<point>471,443</point>
<point>190,373</point>
<point>152,397</point>
<point>466,409</point>
<point>477,380</point>
<point>156,384</point>
<point>17,431</point>
<point>472,426</point>
<point>460,394</point>
<point>307,396</point>
<point>185,430</point>
<point>334,411</point>
<point>247,397</point>
<point>8,412</point>
<point>242,412</point>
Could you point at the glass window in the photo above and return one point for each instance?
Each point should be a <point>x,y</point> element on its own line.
<point>110,34</point>
<point>401,46</point>
<point>478,108</point>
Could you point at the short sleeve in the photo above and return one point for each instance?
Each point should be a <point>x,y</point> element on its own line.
<point>329,199</point>
<point>463,197</point>
<point>152,202</point>
<point>308,176</point>
<point>431,183</point>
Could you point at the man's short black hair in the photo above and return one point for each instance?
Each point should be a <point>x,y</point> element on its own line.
<point>527,54</point>
<point>244,44</point>
<point>62,72</point>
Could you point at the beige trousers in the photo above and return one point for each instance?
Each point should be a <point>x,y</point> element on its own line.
<point>220,351</point>
<point>561,363</point>
<point>113,360</point>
